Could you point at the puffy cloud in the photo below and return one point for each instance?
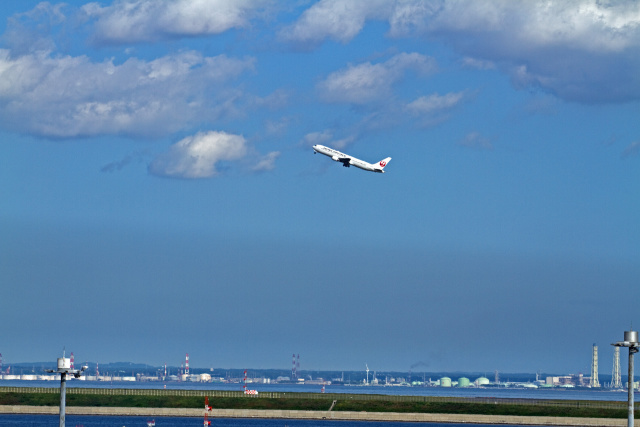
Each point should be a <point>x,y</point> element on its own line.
<point>435,103</point>
<point>367,82</point>
<point>591,25</point>
<point>340,20</point>
<point>196,156</point>
<point>267,162</point>
<point>68,96</point>
<point>433,109</point>
<point>580,50</point>
<point>131,21</point>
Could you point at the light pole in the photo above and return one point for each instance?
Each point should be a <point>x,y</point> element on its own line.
<point>630,341</point>
<point>64,368</point>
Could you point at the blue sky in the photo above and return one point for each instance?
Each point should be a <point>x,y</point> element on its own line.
<point>160,193</point>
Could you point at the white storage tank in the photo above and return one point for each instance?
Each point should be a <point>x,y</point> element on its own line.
<point>482,381</point>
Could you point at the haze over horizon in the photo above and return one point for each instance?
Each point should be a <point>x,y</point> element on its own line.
<point>161,196</point>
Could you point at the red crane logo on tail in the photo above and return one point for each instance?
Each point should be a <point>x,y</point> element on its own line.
<point>383,163</point>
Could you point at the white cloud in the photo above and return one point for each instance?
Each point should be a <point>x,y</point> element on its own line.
<point>433,109</point>
<point>131,21</point>
<point>340,20</point>
<point>196,156</point>
<point>580,50</point>
<point>586,24</point>
<point>266,162</point>
<point>435,103</point>
<point>367,82</point>
<point>478,64</point>
<point>64,96</point>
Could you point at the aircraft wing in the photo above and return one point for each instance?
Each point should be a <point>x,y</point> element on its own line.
<point>345,161</point>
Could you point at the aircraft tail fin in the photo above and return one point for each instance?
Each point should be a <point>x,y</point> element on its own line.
<point>382,163</point>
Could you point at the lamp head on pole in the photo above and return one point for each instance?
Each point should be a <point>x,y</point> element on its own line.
<point>64,367</point>
<point>630,341</point>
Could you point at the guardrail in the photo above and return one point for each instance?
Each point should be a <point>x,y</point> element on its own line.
<point>325,396</point>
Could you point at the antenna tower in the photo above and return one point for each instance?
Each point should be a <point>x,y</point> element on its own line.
<point>616,377</point>
<point>293,368</point>
<point>72,361</point>
<point>594,383</point>
<point>186,365</point>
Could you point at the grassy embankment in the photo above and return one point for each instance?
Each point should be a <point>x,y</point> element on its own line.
<point>40,399</point>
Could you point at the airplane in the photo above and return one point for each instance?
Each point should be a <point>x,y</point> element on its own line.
<point>347,160</point>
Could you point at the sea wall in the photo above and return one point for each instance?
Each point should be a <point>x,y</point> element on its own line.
<point>319,415</point>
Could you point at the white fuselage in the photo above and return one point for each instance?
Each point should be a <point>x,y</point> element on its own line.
<point>346,159</point>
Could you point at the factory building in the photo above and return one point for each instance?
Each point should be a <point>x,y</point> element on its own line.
<point>577,380</point>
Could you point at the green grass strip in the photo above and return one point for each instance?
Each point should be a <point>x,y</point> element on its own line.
<point>283,403</point>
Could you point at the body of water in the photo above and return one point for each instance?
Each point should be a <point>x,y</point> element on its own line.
<point>512,393</point>
<point>96,421</point>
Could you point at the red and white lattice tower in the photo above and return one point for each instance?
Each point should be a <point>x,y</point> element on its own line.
<point>207,409</point>
<point>72,361</point>
<point>186,365</point>
<point>293,368</point>
<point>246,390</point>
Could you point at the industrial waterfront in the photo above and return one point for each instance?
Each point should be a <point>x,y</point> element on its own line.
<point>128,373</point>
